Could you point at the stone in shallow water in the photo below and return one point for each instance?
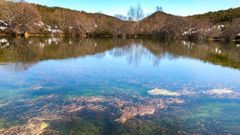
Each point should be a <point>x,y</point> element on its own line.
<point>36,87</point>
<point>174,101</point>
<point>224,91</point>
<point>34,126</point>
<point>130,112</point>
<point>163,92</point>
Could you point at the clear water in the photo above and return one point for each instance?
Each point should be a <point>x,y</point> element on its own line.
<point>40,76</point>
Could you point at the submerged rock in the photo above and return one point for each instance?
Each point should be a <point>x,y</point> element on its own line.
<point>163,92</point>
<point>131,112</point>
<point>174,101</point>
<point>36,87</point>
<point>35,126</point>
<point>93,99</point>
<point>220,91</point>
<point>223,93</point>
<point>72,108</point>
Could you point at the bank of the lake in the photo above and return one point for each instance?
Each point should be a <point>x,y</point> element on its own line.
<point>25,19</point>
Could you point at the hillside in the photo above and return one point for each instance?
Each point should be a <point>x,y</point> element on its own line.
<point>220,16</point>
<point>163,25</point>
<point>31,20</point>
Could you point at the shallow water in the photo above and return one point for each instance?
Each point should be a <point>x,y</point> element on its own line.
<point>102,86</point>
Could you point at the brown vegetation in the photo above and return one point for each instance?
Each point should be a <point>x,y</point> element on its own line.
<point>19,16</point>
<point>232,30</point>
<point>40,20</point>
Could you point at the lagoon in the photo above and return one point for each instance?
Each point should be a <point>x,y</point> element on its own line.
<point>109,86</point>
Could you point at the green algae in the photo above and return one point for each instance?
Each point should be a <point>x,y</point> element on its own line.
<point>2,123</point>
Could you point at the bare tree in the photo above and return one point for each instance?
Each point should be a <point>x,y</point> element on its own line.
<point>69,21</point>
<point>232,30</point>
<point>19,16</point>
<point>121,17</point>
<point>62,19</point>
<point>159,9</point>
<point>131,13</point>
<point>135,13</point>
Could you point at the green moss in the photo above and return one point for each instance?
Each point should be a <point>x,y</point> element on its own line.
<point>76,126</point>
<point>2,123</point>
<point>208,111</point>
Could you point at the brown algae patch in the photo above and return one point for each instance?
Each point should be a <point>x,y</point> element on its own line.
<point>43,113</point>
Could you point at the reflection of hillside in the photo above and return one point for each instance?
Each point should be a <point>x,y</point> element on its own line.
<point>35,49</point>
<point>221,54</point>
<point>29,51</point>
<point>18,66</point>
<point>22,53</point>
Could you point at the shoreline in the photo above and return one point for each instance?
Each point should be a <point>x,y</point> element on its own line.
<point>154,37</point>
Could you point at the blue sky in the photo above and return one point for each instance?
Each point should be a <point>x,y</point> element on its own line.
<point>111,7</point>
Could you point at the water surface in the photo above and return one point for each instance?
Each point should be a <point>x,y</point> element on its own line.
<point>103,86</point>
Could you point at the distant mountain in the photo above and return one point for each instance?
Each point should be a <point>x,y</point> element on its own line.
<point>28,19</point>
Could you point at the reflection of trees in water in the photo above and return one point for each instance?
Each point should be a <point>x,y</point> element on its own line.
<point>17,67</point>
<point>100,55</point>
<point>32,50</point>
<point>216,53</point>
<point>134,53</point>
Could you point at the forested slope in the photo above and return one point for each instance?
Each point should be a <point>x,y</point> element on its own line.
<point>19,18</point>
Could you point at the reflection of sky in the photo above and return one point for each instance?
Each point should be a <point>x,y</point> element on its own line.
<point>131,68</point>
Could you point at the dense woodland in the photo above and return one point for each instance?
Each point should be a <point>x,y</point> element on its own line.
<point>20,18</point>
